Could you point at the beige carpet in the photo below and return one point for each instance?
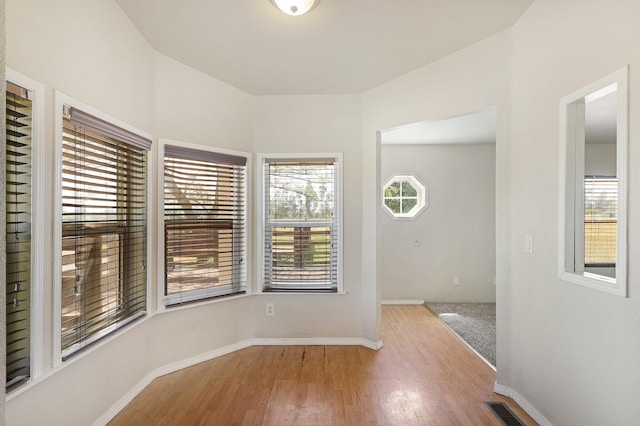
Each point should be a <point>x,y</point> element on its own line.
<point>475,323</point>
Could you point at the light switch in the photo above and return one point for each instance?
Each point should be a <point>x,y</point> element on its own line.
<point>528,243</point>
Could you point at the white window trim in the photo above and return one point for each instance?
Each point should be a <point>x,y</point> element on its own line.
<point>37,218</point>
<point>197,298</point>
<point>261,219</point>
<point>60,99</point>
<point>411,215</point>
<point>566,221</point>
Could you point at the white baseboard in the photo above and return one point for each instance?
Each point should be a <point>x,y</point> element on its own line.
<point>126,398</point>
<point>522,402</point>
<point>313,341</point>
<point>402,302</point>
<point>167,369</point>
<point>375,345</point>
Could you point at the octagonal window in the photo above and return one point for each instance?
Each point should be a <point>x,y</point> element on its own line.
<point>404,196</point>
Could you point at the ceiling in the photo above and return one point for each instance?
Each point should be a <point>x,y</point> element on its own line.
<point>476,127</point>
<point>339,47</point>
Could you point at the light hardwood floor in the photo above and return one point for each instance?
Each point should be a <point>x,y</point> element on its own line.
<point>424,375</point>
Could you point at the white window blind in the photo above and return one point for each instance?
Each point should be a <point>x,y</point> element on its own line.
<point>104,228</point>
<point>19,112</point>
<point>204,224</point>
<point>600,220</point>
<point>301,229</point>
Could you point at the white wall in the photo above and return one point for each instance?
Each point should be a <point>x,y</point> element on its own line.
<point>570,351</point>
<point>114,70</point>
<point>473,79</point>
<point>574,350</point>
<point>456,232</point>
<point>317,124</point>
<point>92,52</point>
<point>193,107</point>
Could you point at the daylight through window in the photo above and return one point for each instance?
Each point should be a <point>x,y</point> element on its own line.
<point>19,112</point>
<point>600,220</point>
<point>301,229</point>
<point>404,196</point>
<point>104,228</point>
<point>204,219</point>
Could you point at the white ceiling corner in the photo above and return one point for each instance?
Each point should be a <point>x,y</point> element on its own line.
<point>340,47</point>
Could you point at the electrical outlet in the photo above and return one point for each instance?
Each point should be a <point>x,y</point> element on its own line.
<point>270,310</point>
<point>456,280</point>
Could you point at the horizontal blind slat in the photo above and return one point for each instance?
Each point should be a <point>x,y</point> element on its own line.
<point>18,233</point>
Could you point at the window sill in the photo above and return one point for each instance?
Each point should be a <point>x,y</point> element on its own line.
<point>299,293</point>
<point>594,281</point>
<point>196,303</point>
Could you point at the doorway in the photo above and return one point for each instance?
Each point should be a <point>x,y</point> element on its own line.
<point>447,252</point>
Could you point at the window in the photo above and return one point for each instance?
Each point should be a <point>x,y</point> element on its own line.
<point>600,220</point>
<point>204,224</point>
<point>301,224</point>
<point>104,228</point>
<point>592,227</point>
<point>404,196</point>
<point>19,116</point>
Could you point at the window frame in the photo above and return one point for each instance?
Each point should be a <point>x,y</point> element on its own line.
<point>37,222</point>
<point>198,296</point>
<point>571,172</point>
<point>262,220</point>
<point>422,196</point>
<point>60,100</point>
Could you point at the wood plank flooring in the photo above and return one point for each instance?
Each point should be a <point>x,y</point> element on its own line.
<point>424,375</point>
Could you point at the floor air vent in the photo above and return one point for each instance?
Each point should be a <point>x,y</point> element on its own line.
<point>504,414</point>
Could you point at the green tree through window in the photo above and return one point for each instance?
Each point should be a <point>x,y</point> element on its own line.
<point>404,196</point>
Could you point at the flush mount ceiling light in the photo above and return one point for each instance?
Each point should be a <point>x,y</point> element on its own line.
<point>295,7</point>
